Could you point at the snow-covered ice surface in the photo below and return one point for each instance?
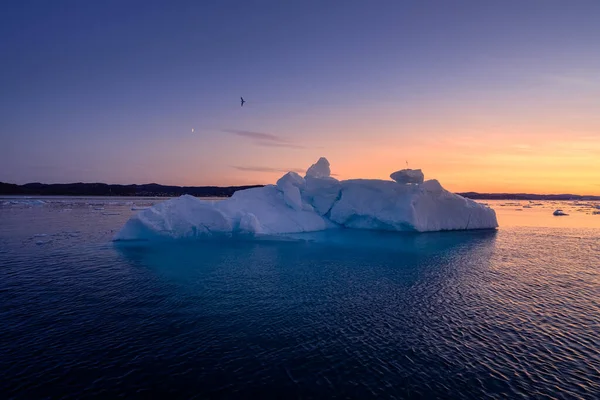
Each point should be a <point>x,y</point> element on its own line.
<point>313,203</point>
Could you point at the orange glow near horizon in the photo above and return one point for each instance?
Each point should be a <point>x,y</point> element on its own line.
<point>523,146</point>
<point>490,163</point>
<point>520,146</point>
<point>492,166</point>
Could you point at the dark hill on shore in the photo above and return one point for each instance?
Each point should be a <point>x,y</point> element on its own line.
<point>103,189</point>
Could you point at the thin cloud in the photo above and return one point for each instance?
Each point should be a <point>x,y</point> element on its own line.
<point>274,144</point>
<point>265,139</point>
<point>270,169</point>
<point>257,135</point>
<point>267,169</point>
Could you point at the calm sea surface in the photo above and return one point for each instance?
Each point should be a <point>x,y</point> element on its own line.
<point>503,314</point>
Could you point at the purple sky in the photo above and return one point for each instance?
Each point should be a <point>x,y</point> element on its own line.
<point>111,90</point>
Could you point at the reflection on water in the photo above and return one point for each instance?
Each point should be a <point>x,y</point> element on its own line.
<point>582,214</point>
<point>349,248</point>
<point>349,314</point>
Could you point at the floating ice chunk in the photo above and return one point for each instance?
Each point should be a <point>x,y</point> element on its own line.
<point>407,176</point>
<point>559,213</point>
<point>316,202</point>
<point>320,169</point>
<point>24,202</point>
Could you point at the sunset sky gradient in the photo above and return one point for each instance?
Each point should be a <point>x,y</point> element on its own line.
<point>483,96</point>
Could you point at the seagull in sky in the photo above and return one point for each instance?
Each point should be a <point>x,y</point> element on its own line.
<point>243,101</point>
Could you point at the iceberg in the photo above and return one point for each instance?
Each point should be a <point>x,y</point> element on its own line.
<point>315,202</point>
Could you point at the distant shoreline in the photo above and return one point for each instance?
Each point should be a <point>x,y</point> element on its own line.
<point>103,189</point>
<point>527,196</point>
<point>156,190</point>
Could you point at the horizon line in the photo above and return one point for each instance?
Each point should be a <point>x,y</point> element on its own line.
<point>262,184</point>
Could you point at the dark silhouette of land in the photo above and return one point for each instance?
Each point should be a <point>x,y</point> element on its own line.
<point>156,190</point>
<point>103,189</point>
<point>526,196</point>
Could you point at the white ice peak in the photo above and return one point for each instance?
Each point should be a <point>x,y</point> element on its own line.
<point>314,203</point>
<point>320,169</point>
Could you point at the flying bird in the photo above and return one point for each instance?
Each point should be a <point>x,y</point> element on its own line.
<point>243,101</point>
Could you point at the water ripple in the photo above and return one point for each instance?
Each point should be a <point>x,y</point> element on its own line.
<point>456,315</point>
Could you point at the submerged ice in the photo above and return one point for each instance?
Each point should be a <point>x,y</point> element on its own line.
<point>315,202</point>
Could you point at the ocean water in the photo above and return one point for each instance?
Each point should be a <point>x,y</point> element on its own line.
<point>512,313</point>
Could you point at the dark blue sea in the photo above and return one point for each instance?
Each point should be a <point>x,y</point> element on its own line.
<point>512,313</point>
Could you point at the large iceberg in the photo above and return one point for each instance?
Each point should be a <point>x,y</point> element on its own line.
<point>315,202</point>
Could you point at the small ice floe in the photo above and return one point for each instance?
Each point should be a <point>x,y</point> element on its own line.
<point>559,213</point>
<point>138,208</point>
<point>98,208</point>
<point>37,235</point>
<point>111,213</point>
<point>24,202</point>
<point>34,202</point>
<point>70,233</point>
<point>42,242</point>
<point>65,234</point>
<point>526,206</point>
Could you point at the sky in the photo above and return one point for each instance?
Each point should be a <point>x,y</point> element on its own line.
<point>484,96</point>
